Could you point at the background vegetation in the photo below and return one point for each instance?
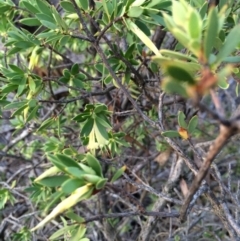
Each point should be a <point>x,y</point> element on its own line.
<point>119,120</point>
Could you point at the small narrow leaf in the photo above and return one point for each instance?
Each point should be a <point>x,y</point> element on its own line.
<point>91,178</point>
<point>135,12</point>
<point>100,184</point>
<point>70,185</point>
<point>118,173</point>
<point>53,181</point>
<point>67,6</point>
<point>67,161</point>
<point>195,25</point>
<point>211,32</point>
<point>66,204</point>
<point>179,74</point>
<point>181,119</point>
<point>94,164</point>
<point>170,134</point>
<point>46,124</point>
<point>232,40</point>
<point>49,172</point>
<point>143,37</point>
<point>192,124</point>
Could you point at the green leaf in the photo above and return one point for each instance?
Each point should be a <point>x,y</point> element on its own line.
<point>42,16</point>
<point>181,120</point>
<point>232,40</point>
<point>118,173</point>
<point>30,21</point>
<point>67,6</point>
<point>143,37</point>
<point>59,20</point>
<point>143,27</point>
<point>180,13</point>
<point>170,134</point>
<point>44,7</point>
<point>101,183</point>
<point>19,111</point>
<point>79,234</point>
<point>82,4</point>
<point>232,59</point>
<point>24,44</point>
<point>53,181</point>
<point>64,80</point>
<point>66,73</point>
<point>211,32</point>
<point>76,83</point>
<point>100,133</point>
<point>73,216</point>
<point>100,108</point>
<point>70,185</point>
<point>91,178</point>
<point>16,69</point>
<point>174,86</point>
<point>103,122</point>
<point>87,128</point>
<point>14,50</point>
<point>46,124</point>
<point>75,172</point>
<point>135,12</point>
<point>94,164</point>
<point>30,7</point>
<point>222,76</point>
<point>54,198</point>
<point>187,66</point>
<point>4,9</point>
<point>83,117</point>
<point>180,74</point>
<point>32,84</point>
<point>32,114</point>
<point>203,10</point>
<point>157,19</point>
<point>195,25</point>
<point>56,162</point>
<point>192,124</point>
<point>60,232</point>
<point>15,105</point>
<point>32,103</point>
<point>177,55</point>
<point>87,169</point>
<point>49,172</point>
<point>169,23</point>
<point>67,161</point>
<point>138,3</point>
<point>130,50</point>
<point>184,39</point>
<point>80,76</point>
<point>106,9</point>
<point>8,88</point>
<point>47,34</point>
<point>79,194</point>
<point>75,69</point>
<point>49,25</point>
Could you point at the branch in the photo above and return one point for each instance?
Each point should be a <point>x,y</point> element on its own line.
<point>106,27</point>
<point>84,25</point>
<point>131,214</point>
<point>160,203</point>
<point>80,97</point>
<point>225,134</point>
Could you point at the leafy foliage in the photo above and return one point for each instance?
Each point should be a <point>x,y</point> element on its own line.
<point>79,85</point>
